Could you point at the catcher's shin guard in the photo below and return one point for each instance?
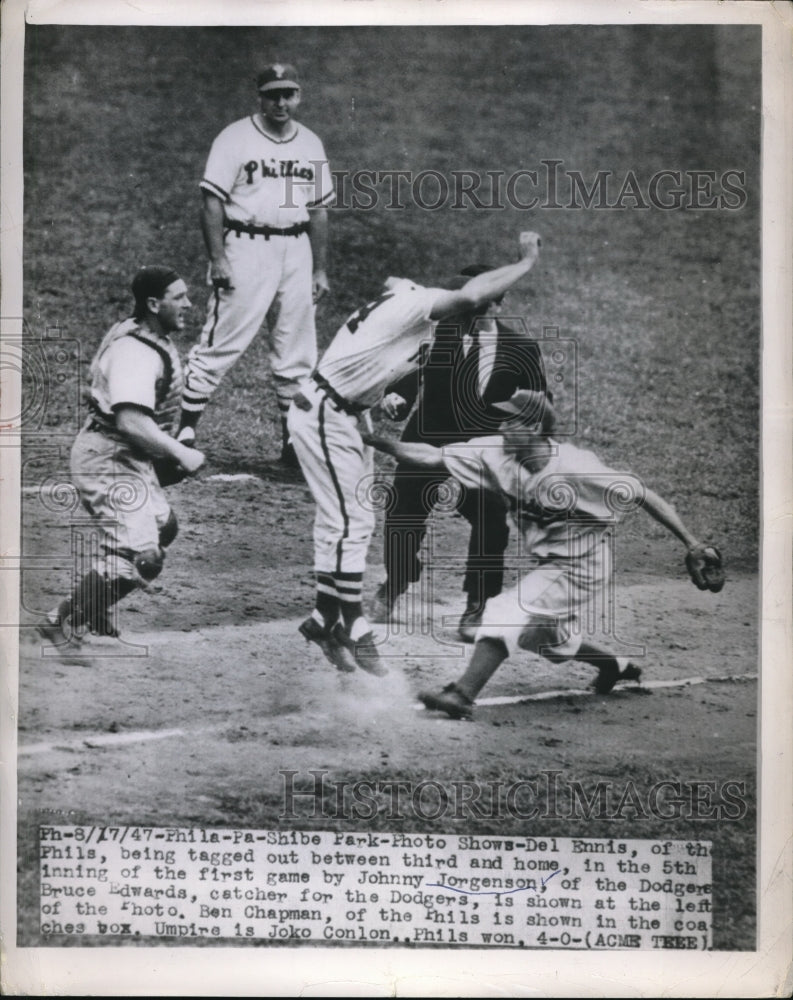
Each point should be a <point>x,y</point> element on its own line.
<point>92,599</point>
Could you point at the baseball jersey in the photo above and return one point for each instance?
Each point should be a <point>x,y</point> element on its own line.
<point>575,487</point>
<point>138,367</point>
<point>264,181</point>
<point>380,343</point>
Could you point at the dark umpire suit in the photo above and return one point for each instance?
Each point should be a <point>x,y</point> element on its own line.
<point>453,407</point>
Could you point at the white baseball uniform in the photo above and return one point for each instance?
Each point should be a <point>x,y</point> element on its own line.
<point>268,187</point>
<point>378,344</point>
<point>564,513</point>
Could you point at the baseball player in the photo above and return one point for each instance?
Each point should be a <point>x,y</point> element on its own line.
<point>121,451</point>
<point>564,501</point>
<point>379,343</point>
<point>476,360</point>
<point>265,191</point>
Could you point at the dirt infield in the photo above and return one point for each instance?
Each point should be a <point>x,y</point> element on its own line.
<point>195,721</point>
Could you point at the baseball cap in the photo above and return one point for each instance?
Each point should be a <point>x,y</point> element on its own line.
<point>152,280</point>
<point>278,76</point>
<point>529,406</point>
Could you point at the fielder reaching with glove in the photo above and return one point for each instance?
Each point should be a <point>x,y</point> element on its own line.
<point>565,502</point>
<point>125,454</point>
<point>380,343</point>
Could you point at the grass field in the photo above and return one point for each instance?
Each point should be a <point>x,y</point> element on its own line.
<point>663,306</point>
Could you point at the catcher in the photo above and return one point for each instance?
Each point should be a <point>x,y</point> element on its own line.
<point>565,502</point>
<point>124,455</point>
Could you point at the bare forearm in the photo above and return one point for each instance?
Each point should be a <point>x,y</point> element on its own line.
<point>212,216</point>
<point>493,284</point>
<point>318,234</point>
<point>423,456</point>
<point>663,512</point>
<point>142,432</point>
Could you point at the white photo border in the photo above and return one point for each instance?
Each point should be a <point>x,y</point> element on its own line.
<point>364,972</point>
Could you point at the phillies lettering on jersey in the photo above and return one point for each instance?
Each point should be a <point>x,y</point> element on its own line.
<point>380,342</point>
<point>284,168</point>
<point>266,181</point>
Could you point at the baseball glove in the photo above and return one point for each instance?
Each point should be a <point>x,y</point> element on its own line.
<point>705,567</point>
<point>169,472</point>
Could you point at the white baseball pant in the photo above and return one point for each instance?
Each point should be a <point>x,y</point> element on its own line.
<point>337,466</point>
<point>272,280</point>
<point>553,605</point>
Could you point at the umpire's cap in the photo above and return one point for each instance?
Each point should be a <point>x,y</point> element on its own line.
<point>527,406</point>
<point>151,282</point>
<point>278,76</point>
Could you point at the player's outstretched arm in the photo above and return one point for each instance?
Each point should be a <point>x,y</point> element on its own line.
<point>663,512</point>
<point>703,562</point>
<point>490,284</point>
<point>424,456</point>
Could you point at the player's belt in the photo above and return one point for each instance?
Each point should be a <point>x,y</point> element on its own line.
<point>266,231</point>
<point>338,401</point>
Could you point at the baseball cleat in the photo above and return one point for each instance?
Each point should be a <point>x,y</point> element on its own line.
<point>332,642</point>
<point>107,628</point>
<point>367,657</point>
<point>609,675</point>
<point>451,701</point>
<point>58,629</point>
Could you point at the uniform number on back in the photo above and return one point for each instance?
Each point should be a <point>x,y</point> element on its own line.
<point>361,314</point>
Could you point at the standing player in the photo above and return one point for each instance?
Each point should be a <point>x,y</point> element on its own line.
<point>565,502</point>
<point>266,189</point>
<point>379,344</point>
<point>136,384</point>
<point>476,360</point>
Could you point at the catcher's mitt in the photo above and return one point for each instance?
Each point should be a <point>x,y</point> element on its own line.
<point>169,472</point>
<point>705,567</point>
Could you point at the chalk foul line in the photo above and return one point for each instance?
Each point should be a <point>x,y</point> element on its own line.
<point>101,740</point>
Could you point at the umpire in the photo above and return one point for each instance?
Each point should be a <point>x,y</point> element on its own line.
<point>475,361</point>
